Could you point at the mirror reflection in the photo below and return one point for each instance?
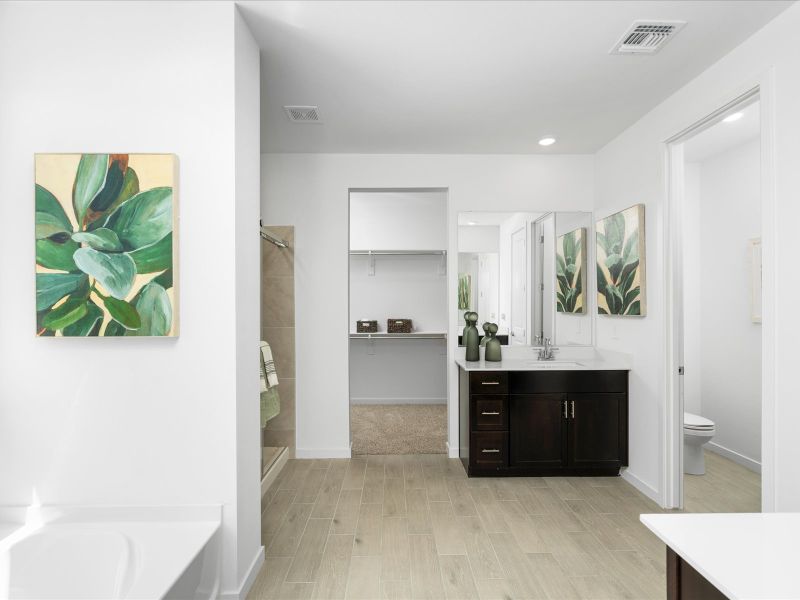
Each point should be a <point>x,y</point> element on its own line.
<point>528,273</point>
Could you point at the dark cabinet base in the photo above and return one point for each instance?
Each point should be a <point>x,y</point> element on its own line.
<point>543,423</point>
<point>685,583</point>
<point>539,471</point>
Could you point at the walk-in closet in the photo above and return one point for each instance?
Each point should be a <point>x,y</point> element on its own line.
<point>398,321</point>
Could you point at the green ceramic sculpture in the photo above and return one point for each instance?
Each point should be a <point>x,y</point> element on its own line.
<point>493,351</point>
<point>471,337</point>
<point>485,328</point>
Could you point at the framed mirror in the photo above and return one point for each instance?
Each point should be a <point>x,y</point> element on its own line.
<point>530,274</point>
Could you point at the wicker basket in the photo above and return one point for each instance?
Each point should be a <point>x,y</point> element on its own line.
<point>398,326</point>
<point>367,326</point>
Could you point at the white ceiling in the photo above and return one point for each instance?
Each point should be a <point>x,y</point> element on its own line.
<point>476,77</point>
<point>722,136</point>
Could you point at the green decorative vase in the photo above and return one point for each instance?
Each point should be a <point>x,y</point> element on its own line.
<point>471,337</point>
<point>466,328</point>
<point>485,328</point>
<point>493,351</point>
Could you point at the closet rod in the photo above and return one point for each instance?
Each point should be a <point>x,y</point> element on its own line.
<point>398,252</point>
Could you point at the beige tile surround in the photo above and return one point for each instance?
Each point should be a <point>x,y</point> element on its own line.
<point>277,328</point>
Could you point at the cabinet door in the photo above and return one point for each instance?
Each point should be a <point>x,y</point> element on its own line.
<point>594,430</point>
<point>537,430</point>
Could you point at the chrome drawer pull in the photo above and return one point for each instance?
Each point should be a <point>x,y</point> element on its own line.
<point>490,451</point>
<point>490,383</point>
<point>572,407</point>
<point>490,413</point>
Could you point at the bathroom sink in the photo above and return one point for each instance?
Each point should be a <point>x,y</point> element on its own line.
<point>554,364</point>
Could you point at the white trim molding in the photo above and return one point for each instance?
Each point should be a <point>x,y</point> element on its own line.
<point>640,485</point>
<point>323,452</point>
<point>741,459</point>
<point>248,580</point>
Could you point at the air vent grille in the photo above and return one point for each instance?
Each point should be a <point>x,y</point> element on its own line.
<point>647,37</point>
<point>302,114</point>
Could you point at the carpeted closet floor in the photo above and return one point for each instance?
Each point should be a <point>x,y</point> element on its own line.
<point>399,428</point>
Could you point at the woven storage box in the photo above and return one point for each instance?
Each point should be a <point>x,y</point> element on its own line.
<point>398,325</point>
<point>367,326</point>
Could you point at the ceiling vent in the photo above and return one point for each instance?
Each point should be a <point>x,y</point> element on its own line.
<point>302,114</point>
<point>647,37</point>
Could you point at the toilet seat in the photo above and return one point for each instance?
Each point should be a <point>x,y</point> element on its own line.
<point>696,423</point>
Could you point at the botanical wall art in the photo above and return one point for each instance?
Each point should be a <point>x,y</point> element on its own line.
<point>621,263</point>
<point>464,291</point>
<point>105,261</point>
<point>571,272</point>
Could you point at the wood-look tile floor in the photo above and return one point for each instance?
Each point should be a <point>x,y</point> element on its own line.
<point>726,487</point>
<point>416,527</point>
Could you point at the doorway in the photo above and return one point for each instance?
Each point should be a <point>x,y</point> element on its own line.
<point>398,321</point>
<point>716,399</point>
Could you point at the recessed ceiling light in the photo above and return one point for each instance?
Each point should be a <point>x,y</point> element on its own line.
<point>732,118</point>
<point>547,141</point>
<point>471,223</point>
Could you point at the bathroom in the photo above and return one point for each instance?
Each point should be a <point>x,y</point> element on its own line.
<point>146,466</point>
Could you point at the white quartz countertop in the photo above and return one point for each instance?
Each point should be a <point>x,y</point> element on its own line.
<point>745,556</point>
<point>530,363</point>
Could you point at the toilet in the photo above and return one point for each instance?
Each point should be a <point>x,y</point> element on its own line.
<point>697,431</point>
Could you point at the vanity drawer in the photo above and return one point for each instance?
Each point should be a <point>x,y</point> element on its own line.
<point>489,449</point>
<point>489,413</point>
<point>488,382</point>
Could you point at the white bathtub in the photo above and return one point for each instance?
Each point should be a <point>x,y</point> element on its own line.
<point>100,553</point>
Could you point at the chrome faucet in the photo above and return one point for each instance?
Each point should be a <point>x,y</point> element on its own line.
<point>547,351</point>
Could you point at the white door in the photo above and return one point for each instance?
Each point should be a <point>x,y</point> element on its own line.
<point>519,296</point>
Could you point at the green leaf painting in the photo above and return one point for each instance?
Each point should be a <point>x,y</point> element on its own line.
<point>104,253</point>
<point>464,291</point>
<point>621,263</point>
<point>571,272</point>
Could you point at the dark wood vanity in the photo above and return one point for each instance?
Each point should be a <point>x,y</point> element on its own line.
<point>543,422</point>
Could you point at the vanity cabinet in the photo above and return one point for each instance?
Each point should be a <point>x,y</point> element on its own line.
<point>543,422</point>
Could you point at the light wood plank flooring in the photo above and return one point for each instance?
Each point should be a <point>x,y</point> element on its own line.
<point>726,487</point>
<point>416,527</point>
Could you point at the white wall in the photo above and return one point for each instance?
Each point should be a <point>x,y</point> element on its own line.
<point>311,193</point>
<point>250,553</point>
<point>724,343</point>
<point>479,238</point>
<point>631,169</point>
<point>413,287</point>
<point>398,220</point>
<point>129,421</point>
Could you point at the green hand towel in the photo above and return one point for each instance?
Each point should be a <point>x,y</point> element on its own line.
<point>270,405</point>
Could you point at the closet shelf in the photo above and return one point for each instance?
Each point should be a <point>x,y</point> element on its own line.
<point>417,335</point>
<point>397,252</point>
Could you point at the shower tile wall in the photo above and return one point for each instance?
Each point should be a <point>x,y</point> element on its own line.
<point>277,328</point>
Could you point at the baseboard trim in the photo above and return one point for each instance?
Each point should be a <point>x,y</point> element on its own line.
<point>643,487</point>
<point>741,459</point>
<point>398,401</point>
<point>323,452</point>
<point>274,471</point>
<point>452,451</point>
<point>248,580</point>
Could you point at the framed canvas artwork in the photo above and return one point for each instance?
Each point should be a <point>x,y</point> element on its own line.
<point>571,272</point>
<point>105,259</point>
<point>621,287</point>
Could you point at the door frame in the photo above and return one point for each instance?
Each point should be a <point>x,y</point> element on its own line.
<point>525,303</point>
<point>672,472</point>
